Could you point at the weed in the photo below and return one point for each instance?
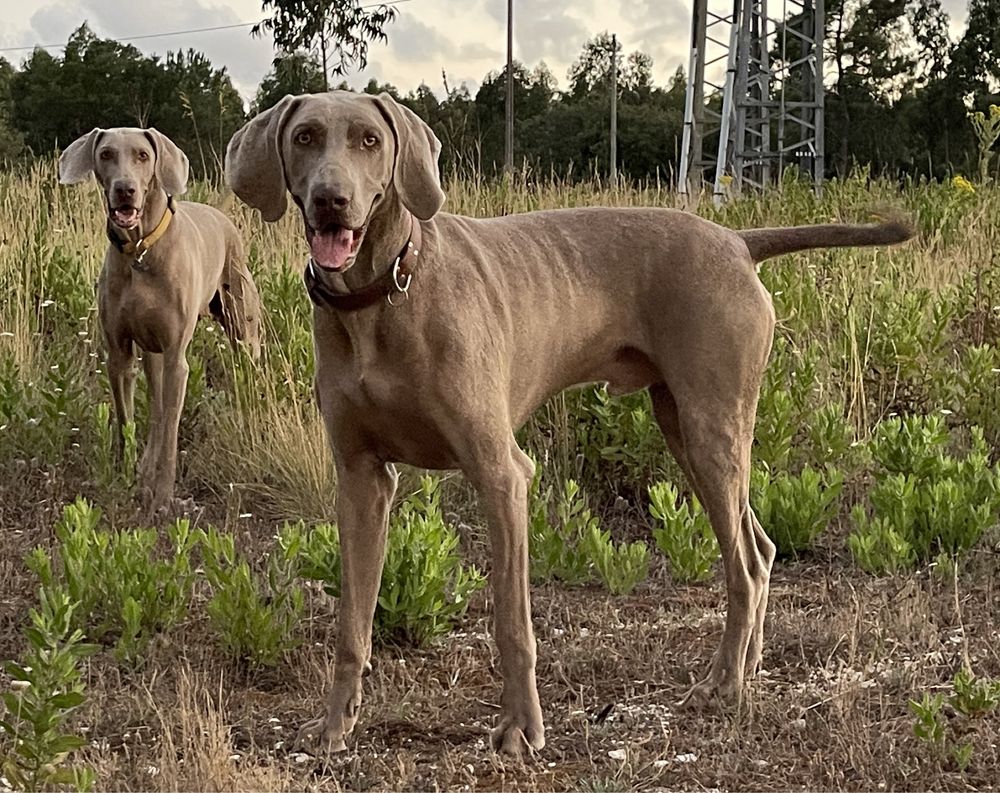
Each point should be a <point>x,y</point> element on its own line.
<point>685,534</point>
<point>794,509</point>
<point>47,690</point>
<point>125,593</point>
<point>425,587</point>
<point>254,619</point>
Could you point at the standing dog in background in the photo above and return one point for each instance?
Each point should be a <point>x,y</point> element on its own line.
<point>168,263</point>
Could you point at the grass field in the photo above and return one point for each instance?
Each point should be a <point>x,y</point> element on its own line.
<point>875,463</point>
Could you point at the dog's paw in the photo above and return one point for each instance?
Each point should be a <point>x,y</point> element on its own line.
<point>514,735</point>
<point>715,691</point>
<point>166,510</point>
<point>319,740</point>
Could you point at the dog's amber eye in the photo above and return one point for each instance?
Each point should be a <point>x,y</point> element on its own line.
<point>143,156</point>
<point>303,138</point>
<point>106,154</point>
<point>369,141</point>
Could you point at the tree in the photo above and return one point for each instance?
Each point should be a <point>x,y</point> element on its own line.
<point>295,73</point>
<point>929,24</point>
<point>592,70</point>
<point>866,43</point>
<point>976,60</point>
<point>340,30</point>
<point>101,82</point>
<point>11,141</point>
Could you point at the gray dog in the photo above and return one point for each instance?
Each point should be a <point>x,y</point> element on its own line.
<point>168,262</point>
<point>437,336</point>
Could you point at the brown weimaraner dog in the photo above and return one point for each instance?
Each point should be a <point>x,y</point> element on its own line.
<point>437,336</point>
<point>168,262</point>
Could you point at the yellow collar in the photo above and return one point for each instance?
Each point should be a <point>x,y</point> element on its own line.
<point>141,247</point>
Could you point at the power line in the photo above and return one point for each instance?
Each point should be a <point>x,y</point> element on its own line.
<point>180,32</point>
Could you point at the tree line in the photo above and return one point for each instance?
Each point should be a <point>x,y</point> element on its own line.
<point>899,89</point>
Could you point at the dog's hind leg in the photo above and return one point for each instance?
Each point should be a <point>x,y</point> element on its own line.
<point>751,532</point>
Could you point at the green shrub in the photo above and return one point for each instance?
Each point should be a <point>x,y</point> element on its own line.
<point>831,439</point>
<point>934,504</point>
<point>47,690</point>
<point>254,619</point>
<point>914,445</point>
<point>948,723</point>
<point>621,568</point>
<point>572,547</point>
<point>109,473</point>
<point>125,593</point>
<point>425,587</point>
<point>794,509</point>
<point>556,546</point>
<point>685,534</point>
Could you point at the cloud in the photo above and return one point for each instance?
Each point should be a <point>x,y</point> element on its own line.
<point>415,42</point>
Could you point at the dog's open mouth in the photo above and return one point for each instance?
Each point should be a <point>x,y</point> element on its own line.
<point>334,247</point>
<point>126,217</point>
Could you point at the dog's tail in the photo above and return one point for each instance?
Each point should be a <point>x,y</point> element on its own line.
<point>765,243</point>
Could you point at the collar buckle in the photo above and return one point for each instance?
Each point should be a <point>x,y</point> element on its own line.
<point>401,282</point>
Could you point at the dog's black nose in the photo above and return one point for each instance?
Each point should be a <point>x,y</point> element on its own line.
<point>124,189</point>
<point>330,198</point>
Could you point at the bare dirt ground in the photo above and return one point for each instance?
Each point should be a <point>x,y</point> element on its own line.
<point>844,654</point>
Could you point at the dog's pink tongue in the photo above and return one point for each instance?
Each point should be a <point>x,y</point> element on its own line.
<point>331,249</point>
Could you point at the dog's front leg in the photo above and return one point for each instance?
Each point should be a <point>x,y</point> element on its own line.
<point>365,489</point>
<point>152,365</point>
<point>502,480</point>
<point>174,376</point>
<point>121,376</point>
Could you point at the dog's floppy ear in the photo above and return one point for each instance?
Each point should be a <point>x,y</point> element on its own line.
<point>416,166</point>
<point>77,163</point>
<point>171,163</point>
<point>254,168</point>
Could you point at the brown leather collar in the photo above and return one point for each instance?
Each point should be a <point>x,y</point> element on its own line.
<point>395,281</point>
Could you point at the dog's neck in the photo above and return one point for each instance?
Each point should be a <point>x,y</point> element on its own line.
<point>388,231</point>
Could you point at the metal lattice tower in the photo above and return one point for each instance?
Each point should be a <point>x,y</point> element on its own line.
<point>754,102</point>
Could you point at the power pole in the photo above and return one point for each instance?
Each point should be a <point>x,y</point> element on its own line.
<point>508,149</point>
<point>614,110</point>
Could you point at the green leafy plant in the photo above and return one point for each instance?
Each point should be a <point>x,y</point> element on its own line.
<point>47,690</point>
<point>126,593</point>
<point>947,723</point>
<point>425,587</point>
<point>794,509</point>
<point>255,618</point>
<point>621,568</point>
<point>555,544</point>
<point>936,504</point>
<point>571,546</point>
<point>914,445</point>
<point>685,534</point>
<point>109,473</point>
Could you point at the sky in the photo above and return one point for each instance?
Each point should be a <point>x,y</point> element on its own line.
<point>465,38</point>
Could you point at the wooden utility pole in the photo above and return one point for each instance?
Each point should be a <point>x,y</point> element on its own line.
<point>508,149</point>
<point>614,110</point>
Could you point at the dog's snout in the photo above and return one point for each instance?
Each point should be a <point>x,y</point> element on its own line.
<point>333,197</point>
<point>124,189</point>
